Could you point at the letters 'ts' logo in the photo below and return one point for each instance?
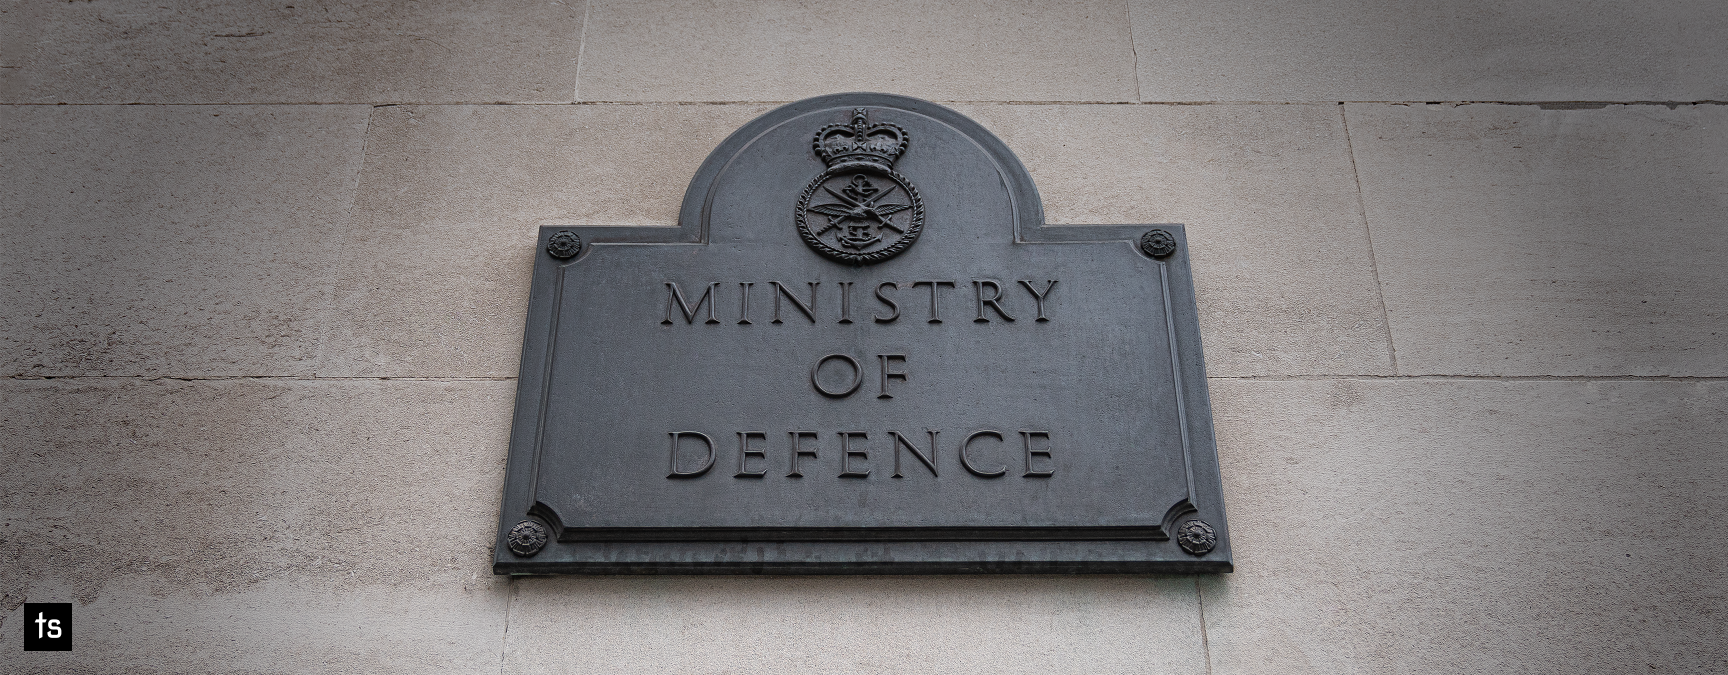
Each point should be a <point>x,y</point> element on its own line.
<point>860,210</point>
<point>47,626</point>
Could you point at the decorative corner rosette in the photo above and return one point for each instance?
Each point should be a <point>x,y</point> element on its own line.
<point>1196,537</point>
<point>1157,243</point>
<point>527,538</point>
<point>564,245</point>
<point>860,211</point>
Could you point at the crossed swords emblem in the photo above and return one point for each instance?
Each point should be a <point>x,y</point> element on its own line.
<point>858,202</point>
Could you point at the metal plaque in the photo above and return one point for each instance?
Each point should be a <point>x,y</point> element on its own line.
<point>862,351</point>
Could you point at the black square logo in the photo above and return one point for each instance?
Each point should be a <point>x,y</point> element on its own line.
<point>47,626</point>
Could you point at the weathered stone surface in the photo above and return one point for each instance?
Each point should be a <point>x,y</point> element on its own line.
<point>310,51</point>
<point>1402,525</point>
<point>977,50</point>
<point>1471,526</point>
<point>255,525</point>
<point>434,273</point>
<point>170,240</point>
<point>1360,50</point>
<point>1281,260</point>
<point>307,625</point>
<point>1513,240</point>
<point>919,624</point>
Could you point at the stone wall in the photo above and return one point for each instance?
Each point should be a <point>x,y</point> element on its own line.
<point>1460,270</point>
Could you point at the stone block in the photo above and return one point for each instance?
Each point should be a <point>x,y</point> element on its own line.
<point>307,51</point>
<point>1282,265</point>
<point>298,626</point>
<point>434,275</point>
<point>251,525</point>
<point>1514,240</point>
<point>1471,526</point>
<point>914,624</point>
<point>784,50</point>
<point>1360,50</point>
<point>171,240</point>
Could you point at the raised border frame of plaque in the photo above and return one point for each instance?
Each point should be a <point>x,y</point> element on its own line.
<point>568,507</point>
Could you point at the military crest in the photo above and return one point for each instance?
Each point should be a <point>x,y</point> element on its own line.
<point>860,210</point>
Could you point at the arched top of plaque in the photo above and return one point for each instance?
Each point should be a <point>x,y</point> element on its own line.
<point>860,178</point>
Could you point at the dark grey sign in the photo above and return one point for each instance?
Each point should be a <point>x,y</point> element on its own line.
<point>862,351</point>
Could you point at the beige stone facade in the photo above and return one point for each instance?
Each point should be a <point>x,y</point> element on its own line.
<point>1460,266</point>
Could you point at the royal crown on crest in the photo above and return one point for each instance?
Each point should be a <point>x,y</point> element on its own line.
<point>860,142</point>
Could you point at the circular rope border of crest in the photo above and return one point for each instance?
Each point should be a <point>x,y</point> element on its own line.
<point>913,230</point>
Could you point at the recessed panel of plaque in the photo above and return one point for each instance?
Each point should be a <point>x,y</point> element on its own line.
<point>862,351</point>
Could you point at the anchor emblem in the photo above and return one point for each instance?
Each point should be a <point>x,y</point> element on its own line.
<point>858,203</point>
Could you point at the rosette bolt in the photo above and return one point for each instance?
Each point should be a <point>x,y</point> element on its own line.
<point>1157,243</point>
<point>564,244</point>
<point>527,538</point>
<point>1196,537</point>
